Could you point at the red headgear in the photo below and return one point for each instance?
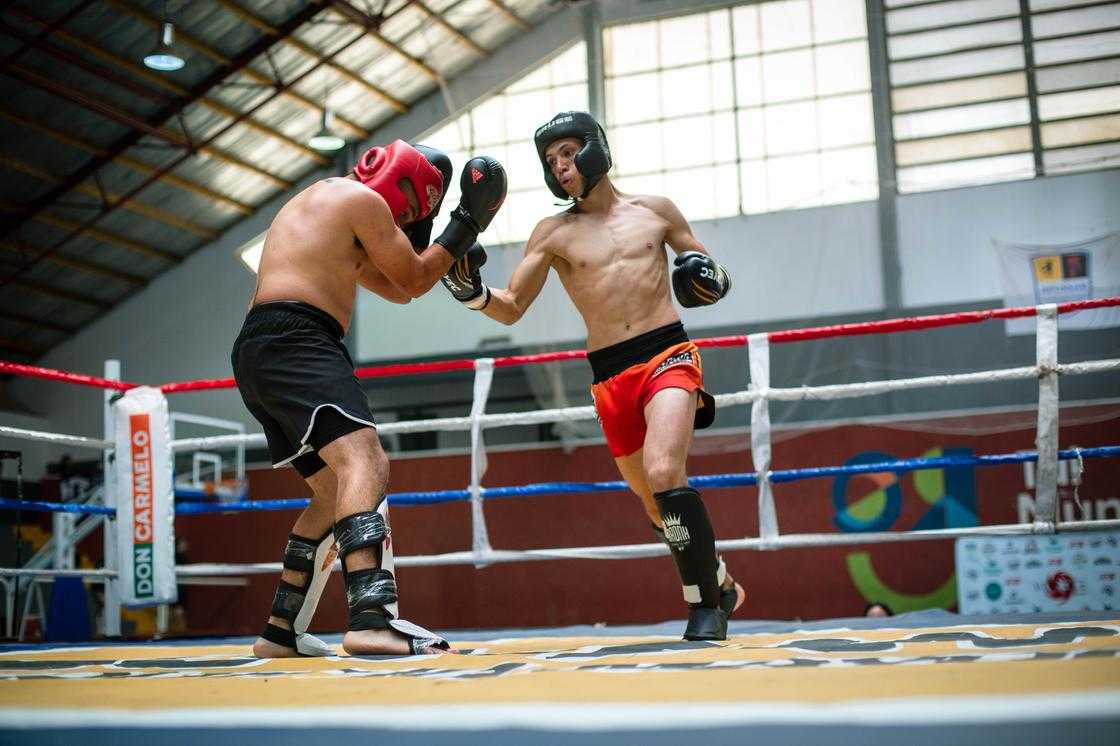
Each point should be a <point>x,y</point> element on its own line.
<point>381,168</point>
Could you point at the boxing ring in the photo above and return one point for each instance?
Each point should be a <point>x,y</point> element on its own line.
<point>1039,676</point>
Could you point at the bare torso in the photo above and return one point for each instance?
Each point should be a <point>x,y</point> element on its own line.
<point>311,253</point>
<point>613,266</point>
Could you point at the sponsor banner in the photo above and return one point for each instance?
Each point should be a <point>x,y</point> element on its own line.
<point>145,499</point>
<point>1012,574</point>
<point>1035,274</point>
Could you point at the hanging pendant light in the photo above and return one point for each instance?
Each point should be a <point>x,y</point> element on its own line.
<point>163,57</point>
<point>325,140</point>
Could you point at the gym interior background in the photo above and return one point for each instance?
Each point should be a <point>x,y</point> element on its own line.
<point>845,159</point>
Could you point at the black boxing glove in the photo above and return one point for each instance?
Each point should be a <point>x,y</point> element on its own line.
<point>464,281</point>
<point>484,188</point>
<point>698,280</point>
<point>420,233</point>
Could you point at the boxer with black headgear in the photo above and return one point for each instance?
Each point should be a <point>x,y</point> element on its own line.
<point>609,250</point>
<point>296,376</point>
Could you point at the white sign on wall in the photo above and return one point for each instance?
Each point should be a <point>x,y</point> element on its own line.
<point>1034,274</point>
<point>1025,574</point>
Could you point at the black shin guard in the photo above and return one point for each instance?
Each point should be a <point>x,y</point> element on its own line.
<point>688,532</point>
<point>369,590</point>
<point>295,604</point>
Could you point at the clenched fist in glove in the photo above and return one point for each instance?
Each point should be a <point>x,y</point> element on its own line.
<point>698,280</point>
<point>484,188</point>
<point>464,281</point>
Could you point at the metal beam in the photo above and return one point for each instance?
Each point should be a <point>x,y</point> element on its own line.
<point>123,160</point>
<point>161,80</point>
<point>174,163</point>
<point>155,213</point>
<point>106,74</point>
<point>48,29</point>
<point>372,25</point>
<point>18,345</point>
<point>508,13</point>
<point>128,120</point>
<point>889,263</point>
<point>185,38</point>
<point>442,22</point>
<point>52,292</point>
<point>199,91</point>
<point>77,264</point>
<point>110,238</point>
<point>396,104</point>
<point>37,323</point>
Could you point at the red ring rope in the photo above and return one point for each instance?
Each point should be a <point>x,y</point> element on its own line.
<point>885,326</point>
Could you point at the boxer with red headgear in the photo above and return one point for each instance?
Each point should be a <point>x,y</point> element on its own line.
<point>296,377</point>
<point>609,250</point>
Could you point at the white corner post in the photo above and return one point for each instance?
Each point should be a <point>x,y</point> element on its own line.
<point>1046,440</point>
<point>480,538</point>
<point>111,615</point>
<point>758,351</point>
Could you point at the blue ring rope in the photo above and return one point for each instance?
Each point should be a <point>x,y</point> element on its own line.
<point>552,488</point>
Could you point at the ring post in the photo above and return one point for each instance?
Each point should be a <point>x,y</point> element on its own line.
<point>111,615</point>
<point>1046,441</point>
<point>480,538</point>
<point>758,351</point>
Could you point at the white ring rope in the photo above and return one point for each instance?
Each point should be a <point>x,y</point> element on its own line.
<point>57,439</point>
<point>628,551</point>
<point>575,414</point>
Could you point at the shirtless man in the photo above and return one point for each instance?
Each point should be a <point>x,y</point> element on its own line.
<point>608,250</point>
<point>370,228</point>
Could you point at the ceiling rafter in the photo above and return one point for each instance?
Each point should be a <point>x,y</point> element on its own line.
<point>44,46</point>
<point>396,104</point>
<point>48,29</point>
<point>220,59</point>
<point>162,81</point>
<point>295,22</point>
<point>39,323</point>
<point>509,13</point>
<point>132,163</point>
<point>133,137</point>
<point>372,25</point>
<point>442,22</point>
<point>18,345</point>
<point>52,292</point>
<point>78,265</point>
<point>107,237</point>
<point>128,120</point>
<point>155,213</point>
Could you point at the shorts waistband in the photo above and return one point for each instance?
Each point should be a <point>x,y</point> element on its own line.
<point>612,360</point>
<point>297,308</point>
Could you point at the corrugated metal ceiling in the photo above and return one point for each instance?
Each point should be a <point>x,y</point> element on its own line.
<point>84,125</point>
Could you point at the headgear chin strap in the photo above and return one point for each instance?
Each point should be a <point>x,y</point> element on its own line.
<point>381,168</point>
<point>592,161</point>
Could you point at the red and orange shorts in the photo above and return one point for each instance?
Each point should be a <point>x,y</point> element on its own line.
<point>620,400</point>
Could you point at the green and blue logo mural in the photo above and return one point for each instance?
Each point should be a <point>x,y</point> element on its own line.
<point>951,496</point>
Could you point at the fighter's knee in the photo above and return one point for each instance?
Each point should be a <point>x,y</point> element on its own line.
<point>664,474</point>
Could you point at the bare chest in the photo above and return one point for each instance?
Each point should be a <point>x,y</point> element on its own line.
<point>597,245</point>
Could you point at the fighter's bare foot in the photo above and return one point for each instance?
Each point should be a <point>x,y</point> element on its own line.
<point>263,648</point>
<point>725,591</point>
<point>379,642</point>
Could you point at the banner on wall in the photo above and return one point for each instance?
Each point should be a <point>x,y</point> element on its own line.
<point>1016,574</point>
<point>145,498</point>
<point>1033,274</point>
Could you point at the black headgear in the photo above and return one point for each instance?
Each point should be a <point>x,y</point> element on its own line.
<point>592,161</point>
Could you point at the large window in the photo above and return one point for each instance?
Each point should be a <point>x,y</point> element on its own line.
<point>1077,72</point>
<point>502,126</point>
<point>757,108</point>
<point>960,89</point>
